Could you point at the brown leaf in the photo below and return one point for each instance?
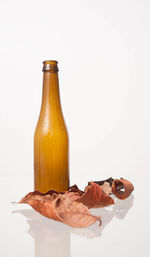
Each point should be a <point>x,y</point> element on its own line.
<point>95,197</point>
<point>61,207</point>
<point>71,207</point>
<point>122,188</point>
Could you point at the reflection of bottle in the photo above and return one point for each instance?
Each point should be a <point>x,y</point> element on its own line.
<point>51,164</point>
<point>50,238</point>
<point>56,247</point>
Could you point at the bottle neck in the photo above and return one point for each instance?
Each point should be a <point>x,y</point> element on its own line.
<point>51,117</point>
<point>51,96</point>
<point>51,113</point>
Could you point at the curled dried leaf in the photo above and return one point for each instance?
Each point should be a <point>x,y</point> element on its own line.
<point>122,188</point>
<point>95,197</point>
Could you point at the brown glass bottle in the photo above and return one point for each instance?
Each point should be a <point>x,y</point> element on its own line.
<point>51,142</point>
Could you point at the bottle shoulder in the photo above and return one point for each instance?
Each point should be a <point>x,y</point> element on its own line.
<point>49,130</point>
<point>51,122</point>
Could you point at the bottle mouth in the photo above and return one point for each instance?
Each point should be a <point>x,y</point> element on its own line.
<point>50,62</point>
<point>50,65</point>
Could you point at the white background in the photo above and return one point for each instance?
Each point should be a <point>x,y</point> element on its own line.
<point>103,50</point>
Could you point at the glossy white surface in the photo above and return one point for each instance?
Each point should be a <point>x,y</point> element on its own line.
<point>124,232</point>
<point>103,50</point>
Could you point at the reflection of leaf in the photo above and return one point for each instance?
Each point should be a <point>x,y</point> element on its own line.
<point>121,207</point>
<point>42,229</point>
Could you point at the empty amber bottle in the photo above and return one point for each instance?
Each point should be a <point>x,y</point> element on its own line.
<point>51,142</point>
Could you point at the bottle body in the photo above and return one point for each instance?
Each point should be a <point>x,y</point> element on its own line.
<point>51,141</point>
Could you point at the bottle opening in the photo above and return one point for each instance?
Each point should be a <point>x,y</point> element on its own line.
<point>50,65</point>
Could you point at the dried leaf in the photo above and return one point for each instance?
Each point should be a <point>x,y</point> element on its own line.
<point>122,188</point>
<point>61,207</point>
<point>95,197</point>
<point>71,207</point>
